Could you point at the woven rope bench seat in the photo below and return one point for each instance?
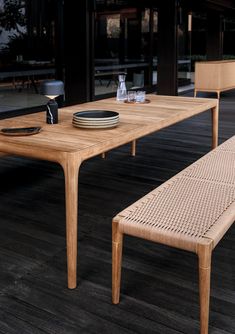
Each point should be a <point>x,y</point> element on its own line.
<point>191,211</point>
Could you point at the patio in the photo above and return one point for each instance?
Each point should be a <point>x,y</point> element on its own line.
<point>158,296</point>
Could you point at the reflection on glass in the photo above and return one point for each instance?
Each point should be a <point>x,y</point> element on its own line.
<point>155,47</point>
<point>145,21</point>
<point>113,26</point>
<point>26,52</point>
<point>196,39</point>
<point>122,44</point>
<point>228,38</point>
<point>184,49</point>
<point>155,21</point>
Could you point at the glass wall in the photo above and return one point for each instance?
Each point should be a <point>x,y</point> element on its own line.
<point>123,44</point>
<point>154,45</point>
<point>126,41</point>
<point>184,48</point>
<point>198,39</point>
<point>229,36</point>
<point>27,51</point>
<point>191,45</point>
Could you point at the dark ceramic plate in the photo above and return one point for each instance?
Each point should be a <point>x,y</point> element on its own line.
<point>96,114</point>
<point>20,131</point>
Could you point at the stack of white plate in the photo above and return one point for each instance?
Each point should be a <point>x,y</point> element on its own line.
<point>95,119</point>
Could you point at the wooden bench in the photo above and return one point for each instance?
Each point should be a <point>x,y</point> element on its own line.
<point>192,211</point>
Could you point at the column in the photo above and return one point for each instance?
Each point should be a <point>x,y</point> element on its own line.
<point>214,36</point>
<point>78,51</point>
<point>167,48</point>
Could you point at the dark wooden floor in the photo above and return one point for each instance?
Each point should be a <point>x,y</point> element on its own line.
<point>159,285</point>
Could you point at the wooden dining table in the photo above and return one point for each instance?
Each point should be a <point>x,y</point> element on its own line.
<point>70,146</point>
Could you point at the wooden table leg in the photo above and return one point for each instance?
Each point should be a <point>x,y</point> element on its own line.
<point>133,148</point>
<point>215,126</point>
<point>71,170</point>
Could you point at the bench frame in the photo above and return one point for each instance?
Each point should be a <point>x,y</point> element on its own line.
<point>204,265</point>
<point>130,223</point>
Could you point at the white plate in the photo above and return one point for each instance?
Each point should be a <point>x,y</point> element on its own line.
<point>106,126</point>
<point>95,122</point>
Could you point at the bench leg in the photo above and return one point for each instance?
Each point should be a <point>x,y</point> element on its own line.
<point>117,241</point>
<point>195,93</point>
<point>204,254</point>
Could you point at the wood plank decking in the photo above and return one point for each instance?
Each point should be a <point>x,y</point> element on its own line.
<point>33,293</point>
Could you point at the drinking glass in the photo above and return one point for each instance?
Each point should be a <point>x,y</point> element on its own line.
<point>131,96</point>
<point>140,96</point>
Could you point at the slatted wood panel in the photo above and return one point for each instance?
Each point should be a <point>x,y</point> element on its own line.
<point>33,297</point>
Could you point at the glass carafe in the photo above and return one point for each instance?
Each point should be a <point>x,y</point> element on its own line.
<point>121,90</point>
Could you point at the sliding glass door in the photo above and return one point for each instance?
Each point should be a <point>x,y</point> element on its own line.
<point>27,51</point>
<point>123,44</point>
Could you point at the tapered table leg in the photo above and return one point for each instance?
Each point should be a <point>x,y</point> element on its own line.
<point>133,148</point>
<point>71,170</point>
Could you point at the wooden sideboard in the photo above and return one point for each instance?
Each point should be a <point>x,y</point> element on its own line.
<point>214,76</point>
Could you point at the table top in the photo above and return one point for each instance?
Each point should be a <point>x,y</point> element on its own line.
<point>136,121</point>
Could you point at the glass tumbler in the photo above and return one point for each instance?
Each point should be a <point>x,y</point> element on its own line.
<point>140,96</point>
<point>131,96</point>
